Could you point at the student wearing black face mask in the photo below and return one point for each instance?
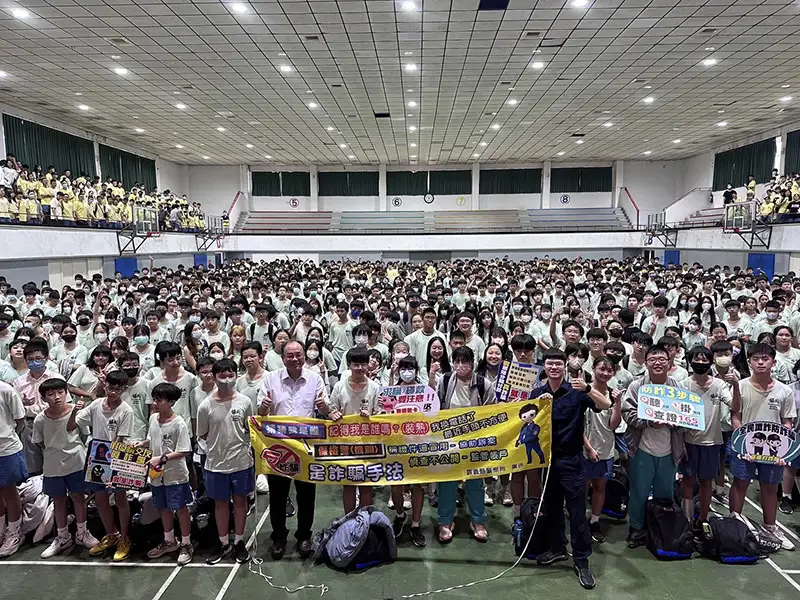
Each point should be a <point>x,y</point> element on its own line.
<point>703,448</point>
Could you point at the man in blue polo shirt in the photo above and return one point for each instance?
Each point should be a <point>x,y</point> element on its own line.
<point>567,479</point>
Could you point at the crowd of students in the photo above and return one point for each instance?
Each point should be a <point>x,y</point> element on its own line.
<point>35,196</point>
<point>780,201</point>
<point>177,359</point>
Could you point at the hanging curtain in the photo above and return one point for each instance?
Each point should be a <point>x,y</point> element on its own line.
<point>296,183</point>
<point>511,181</point>
<point>266,183</point>
<point>450,182</point>
<point>735,166</point>
<point>147,173</point>
<point>362,183</point>
<point>110,162</point>
<point>792,160</point>
<point>406,183</point>
<point>36,144</point>
<point>333,184</point>
<point>581,179</point>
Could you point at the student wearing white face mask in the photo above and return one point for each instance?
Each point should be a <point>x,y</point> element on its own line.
<point>463,388</point>
<point>399,351</point>
<point>408,369</point>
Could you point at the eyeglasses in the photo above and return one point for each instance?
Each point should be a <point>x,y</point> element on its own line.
<point>657,360</point>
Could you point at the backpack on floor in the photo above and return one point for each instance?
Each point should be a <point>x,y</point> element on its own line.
<point>730,542</point>
<point>669,535</point>
<point>618,490</point>
<point>359,540</point>
<point>521,531</point>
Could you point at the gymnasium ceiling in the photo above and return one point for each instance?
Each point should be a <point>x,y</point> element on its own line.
<point>329,81</point>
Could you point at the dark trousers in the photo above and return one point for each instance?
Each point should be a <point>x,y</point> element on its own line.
<point>305,494</point>
<point>567,483</point>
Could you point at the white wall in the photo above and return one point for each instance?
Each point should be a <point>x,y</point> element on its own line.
<point>174,177</point>
<point>509,201</point>
<point>270,256</point>
<point>698,172</point>
<point>349,203</point>
<point>581,200</point>
<point>653,184</point>
<point>214,187</point>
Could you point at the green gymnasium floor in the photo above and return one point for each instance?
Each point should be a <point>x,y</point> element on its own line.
<point>622,574</point>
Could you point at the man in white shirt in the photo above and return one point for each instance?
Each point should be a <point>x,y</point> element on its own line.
<point>418,341</point>
<point>300,392</point>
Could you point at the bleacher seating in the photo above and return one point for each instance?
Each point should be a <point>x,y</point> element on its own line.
<point>286,222</point>
<point>706,217</point>
<point>477,221</point>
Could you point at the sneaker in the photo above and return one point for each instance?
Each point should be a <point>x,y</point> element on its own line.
<point>433,498</point>
<point>123,549</point>
<point>290,510</point>
<point>163,548</point>
<point>218,553</point>
<point>186,555</point>
<point>507,499</point>
<point>636,538</point>
<point>786,544</point>
<point>720,498</point>
<point>417,537</point>
<point>107,543</point>
<point>86,539</point>
<point>262,486</point>
<point>597,532</point>
<point>398,524</point>
<point>11,543</point>
<point>305,549</point>
<point>585,577</point>
<point>785,505</point>
<point>240,552</point>
<point>487,498</point>
<point>57,546</point>
<point>550,558</point>
<point>391,502</point>
<point>407,500</point>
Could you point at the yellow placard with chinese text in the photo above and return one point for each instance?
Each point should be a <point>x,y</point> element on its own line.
<point>396,449</point>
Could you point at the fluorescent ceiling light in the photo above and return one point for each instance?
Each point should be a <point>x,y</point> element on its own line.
<point>83,107</point>
<point>180,106</point>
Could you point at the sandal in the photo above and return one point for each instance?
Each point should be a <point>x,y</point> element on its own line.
<point>479,532</point>
<point>446,533</point>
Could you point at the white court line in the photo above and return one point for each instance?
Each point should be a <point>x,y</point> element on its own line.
<point>116,565</point>
<point>235,569</point>
<point>162,590</point>
<point>769,561</point>
<point>784,574</point>
<point>791,572</point>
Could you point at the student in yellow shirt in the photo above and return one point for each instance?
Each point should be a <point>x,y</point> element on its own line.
<point>67,209</point>
<point>112,214</point>
<point>5,208</point>
<point>22,209</point>
<point>34,211</point>
<point>767,209</point>
<point>81,210</point>
<point>98,214</point>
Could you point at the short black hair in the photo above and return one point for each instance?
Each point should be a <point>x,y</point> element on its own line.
<point>50,385</point>
<point>224,364</point>
<point>166,391</point>
<point>528,408</point>
<point>554,354</point>
<point>357,356</point>
<point>755,350</point>
<point>463,354</point>
<point>523,341</point>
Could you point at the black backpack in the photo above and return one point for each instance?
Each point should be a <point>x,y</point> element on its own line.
<point>377,550</point>
<point>540,542</point>
<point>730,542</point>
<point>618,490</point>
<point>669,535</point>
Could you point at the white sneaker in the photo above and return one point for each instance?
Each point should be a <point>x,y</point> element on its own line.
<point>186,554</point>
<point>786,544</point>
<point>86,540</point>
<point>407,500</point>
<point>11,543</point>
<point>488,500</point>
<point>58,546</point>
<point>262,487</point>
<point>391,502</point>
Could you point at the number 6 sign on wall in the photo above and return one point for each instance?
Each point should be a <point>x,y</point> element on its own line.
<point>294,202</point>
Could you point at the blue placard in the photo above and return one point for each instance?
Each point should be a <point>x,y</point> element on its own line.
<point>516,381</point>
<point>671,405</point>
<point>766,442</point>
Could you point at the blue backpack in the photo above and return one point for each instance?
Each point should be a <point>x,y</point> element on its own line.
<point>359,540</point>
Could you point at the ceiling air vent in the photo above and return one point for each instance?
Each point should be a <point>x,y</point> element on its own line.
<point>119,41</point>
<point>382,115</point>
<point>311,38</point>
<point>708,30</point>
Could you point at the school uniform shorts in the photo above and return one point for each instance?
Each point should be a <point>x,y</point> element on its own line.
<point>13,469</point>
<point>602,469</point>
<point>701,461</point>
<point>221,486</point>
<point>172,497</point>
<point>748,471</point>
<point>59,486</point>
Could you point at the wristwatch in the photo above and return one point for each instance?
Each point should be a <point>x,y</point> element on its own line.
<point>163,460</point>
